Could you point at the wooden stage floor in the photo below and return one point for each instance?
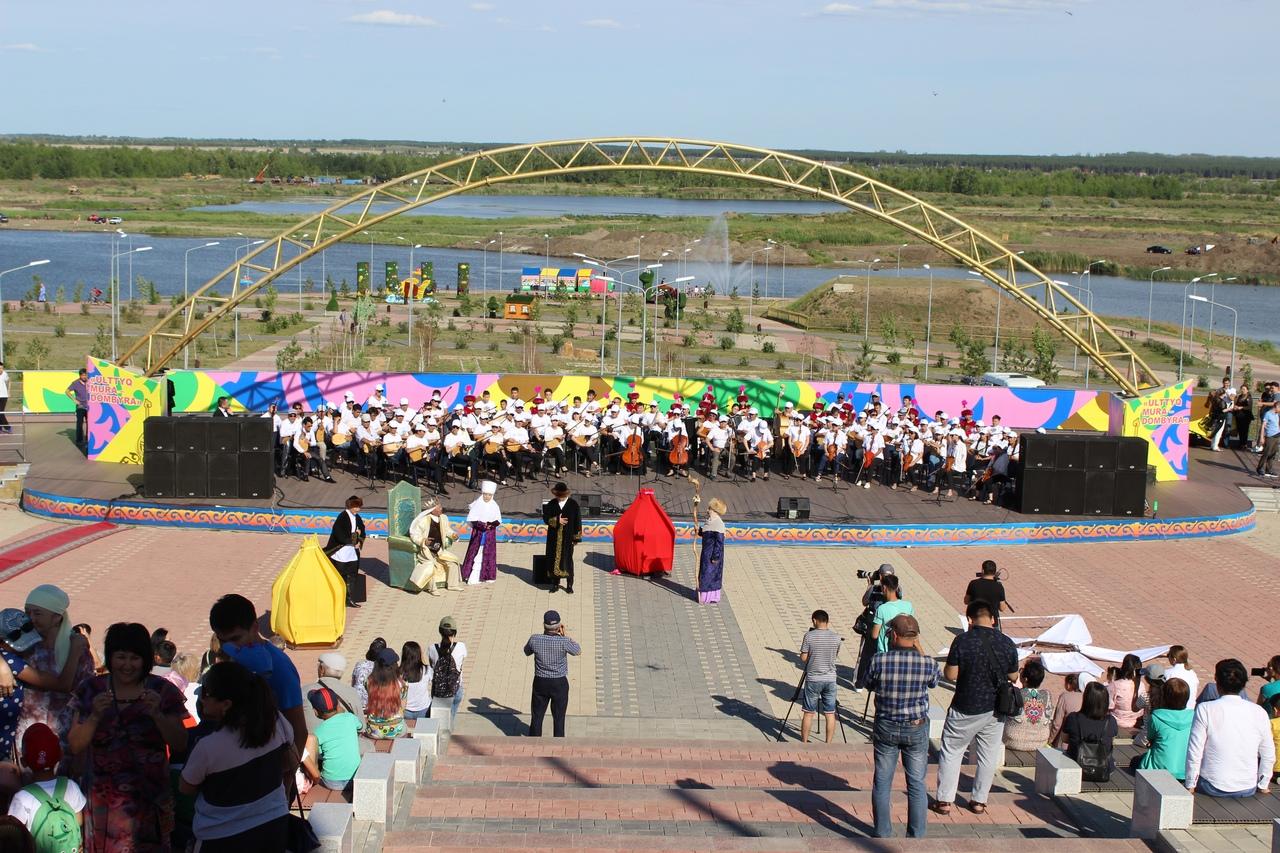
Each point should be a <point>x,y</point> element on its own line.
<point>58,468</point>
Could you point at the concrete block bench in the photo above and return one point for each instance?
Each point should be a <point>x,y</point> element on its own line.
<point>937,719</point>
<point>1056,775</point>
<point>408,759</point>
<point>373,793</point>
<point>1159,802</point>
<point>442,713</point>
<point>427,732</point>
<point>332,823</point>
<point>1275,836</point>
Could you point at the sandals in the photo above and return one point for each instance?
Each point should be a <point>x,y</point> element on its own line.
<point>943,809</point>
<point>978,808</point>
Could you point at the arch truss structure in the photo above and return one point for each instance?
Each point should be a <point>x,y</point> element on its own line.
<point>922,221</point>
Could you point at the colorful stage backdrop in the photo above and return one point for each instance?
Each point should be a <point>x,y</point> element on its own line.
<point>1021,408</point>
<point>119,402</point>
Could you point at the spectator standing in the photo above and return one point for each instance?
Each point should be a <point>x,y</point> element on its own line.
<point>1180,667</point>
<point>550,651</point>
<point>235,621</point>
<point>1265,399</point>
<point>1169,730</point>
<point>901,679</point>
<point>1243,407</point>
<point>988,588</point>
<point>333,747</point>
<point>1269,438</point>
<point>1123,688</point>
<point>1068,703</point>
<point>818,651</point>
<point>1093,723</point>
<point>52,805</point>
<point>452,653</point>
<point>1030,730</point>
<point>329,670</point>
<point>1230,752</point>
<point>978,661</point>
<point>237,772</point>
<point>384,715</point>
<point>4,399</point>
<point>892,607</point>
<point>360,672</point>
<point>78,391</point>
<point>128,721</point>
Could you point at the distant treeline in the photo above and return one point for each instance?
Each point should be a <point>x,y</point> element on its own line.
<point>1119,176</point>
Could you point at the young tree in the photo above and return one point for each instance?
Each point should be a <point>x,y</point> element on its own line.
<point>1044,349</point>
<point>734,323</point>
<point>37,351</point>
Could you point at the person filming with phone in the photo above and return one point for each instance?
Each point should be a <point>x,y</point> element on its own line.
<point>550,650</point>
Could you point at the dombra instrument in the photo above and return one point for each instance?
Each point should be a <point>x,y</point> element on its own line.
<point>584,441</point>
<point>417,453</point>
<point>303,443</point>
<point>368,446</point>
<point>391,446</point>
<point>493,444</point>
<point>513,446</point>
<point>552,443</point>
<point>341,439</point>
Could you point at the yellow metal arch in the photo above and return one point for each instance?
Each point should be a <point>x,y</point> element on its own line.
<point>914,216</point>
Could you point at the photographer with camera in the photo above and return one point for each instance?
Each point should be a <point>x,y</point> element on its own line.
<point>818,653</point>
<point>987,587</point>
<point>872,597</point>
<point>550,651</point>
<point>1268,692</point>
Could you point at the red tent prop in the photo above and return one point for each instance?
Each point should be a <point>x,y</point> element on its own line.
<point>644,539</point>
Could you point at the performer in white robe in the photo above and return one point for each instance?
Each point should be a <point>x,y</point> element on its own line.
<point>484,517</point>
<point>435,566</point>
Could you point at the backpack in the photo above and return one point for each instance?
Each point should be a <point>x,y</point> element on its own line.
<point>54,828</point>
<point>1094,758</point>
<point>444,684</point>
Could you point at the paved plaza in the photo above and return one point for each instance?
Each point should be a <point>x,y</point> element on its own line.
<point>655,663</point>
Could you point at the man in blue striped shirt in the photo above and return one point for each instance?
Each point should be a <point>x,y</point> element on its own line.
<point>901,679</point>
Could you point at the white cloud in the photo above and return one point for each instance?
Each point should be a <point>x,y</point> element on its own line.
<point>482,7</point>
<point>602,24</point>
<point>22,47</point>
<point>387,18</point>
<point>546,28</point>
<point>503,22</point>
<point>839,9</point>
<point>974,6</point>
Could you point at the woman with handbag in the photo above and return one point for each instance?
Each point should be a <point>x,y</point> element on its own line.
<point>1091,734</point>
<point>238,772</point>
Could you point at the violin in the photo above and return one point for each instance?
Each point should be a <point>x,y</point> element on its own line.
<point>633,454</point>
<point>679,453</point>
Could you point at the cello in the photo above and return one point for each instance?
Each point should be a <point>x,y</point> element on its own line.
<point>633,453</point>
<point>678,456</point>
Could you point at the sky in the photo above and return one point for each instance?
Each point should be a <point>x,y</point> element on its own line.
<point>944,76</point>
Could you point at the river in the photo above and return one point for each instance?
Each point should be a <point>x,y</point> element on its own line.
<point>79,256</point>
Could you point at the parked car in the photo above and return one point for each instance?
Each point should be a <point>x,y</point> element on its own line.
<point>115,220</point>
<point>1159,250</point>
<point>1192,250</point>
<point>1010,380</point>
<point>95,218</point>
<point>3,219</point>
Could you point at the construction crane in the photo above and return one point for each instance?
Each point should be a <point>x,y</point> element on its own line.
<point>261,177</point>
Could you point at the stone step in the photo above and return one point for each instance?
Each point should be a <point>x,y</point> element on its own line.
<point>624,749</point>
<point>1009,840</point>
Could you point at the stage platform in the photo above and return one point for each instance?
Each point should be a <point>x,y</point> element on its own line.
<point>63,484</point>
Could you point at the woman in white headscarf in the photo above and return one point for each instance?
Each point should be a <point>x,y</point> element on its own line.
<point>435,566</point>
<point>484,517</point>
<point>62,654</point>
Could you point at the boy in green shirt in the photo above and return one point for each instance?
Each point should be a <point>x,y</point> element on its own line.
<point>333,748</point>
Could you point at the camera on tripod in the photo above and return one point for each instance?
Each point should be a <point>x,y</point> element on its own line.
<point>864,574</point>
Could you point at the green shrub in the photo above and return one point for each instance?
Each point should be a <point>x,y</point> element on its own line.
<point>726,343</point>
<point>59,329</point>
<point>768,347</point>
<point>706,358</point>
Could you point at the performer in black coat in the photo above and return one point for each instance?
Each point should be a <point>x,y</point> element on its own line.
<point>563,518</point>
<point>345,540</point>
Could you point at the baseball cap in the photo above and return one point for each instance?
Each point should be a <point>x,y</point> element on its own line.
<point>333,661</point>
<point>388,657</point>
<point>40,747</point>
<point>886,569</point>
<point>904,625</point>
<point>1155,672</point>
<point>17,631</point>
<point>448,623</point>
<point>323,700</point>
<point>551,619</point>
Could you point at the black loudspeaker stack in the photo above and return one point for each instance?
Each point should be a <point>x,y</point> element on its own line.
<point>590,504</point>
<point>1083,474</point>
<point>204,457</point>
<point>797,508</point>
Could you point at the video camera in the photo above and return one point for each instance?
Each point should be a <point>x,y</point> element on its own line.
<point>1258,672</point>
<point>864,574</point>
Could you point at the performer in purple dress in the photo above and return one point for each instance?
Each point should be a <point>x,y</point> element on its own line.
<point>481,563</point>
<point>711,563</point>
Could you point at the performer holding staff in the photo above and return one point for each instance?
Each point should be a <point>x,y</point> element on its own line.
<point>563,518</point>
<point>711,560</point>
<point>480,565</point>
<point>435,566</point>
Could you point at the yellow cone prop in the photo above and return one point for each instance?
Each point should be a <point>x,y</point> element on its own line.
<point>308,599</point>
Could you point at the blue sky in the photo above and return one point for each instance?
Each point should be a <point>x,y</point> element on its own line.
<point>960,76</point>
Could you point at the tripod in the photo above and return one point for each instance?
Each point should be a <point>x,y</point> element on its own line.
<point>782,727</point>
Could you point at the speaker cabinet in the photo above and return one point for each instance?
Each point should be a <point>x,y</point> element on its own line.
<point>257,475</point>
<point>1100,453</point>
<point>1039,451</point>
<point>191,435</point>
<point>159,471</point>
<point>157,434</point>
<point>1068,492</point>
<point>796,507</point>
<point>193,475</point>
<point>1071,454</point>
<point>1099,492</point>
<point>1131,493</point>
<point>590,505</point>
<point>224,435</point>
<point>542,569</point>
<point>1131,454</point>
<point>256,434</point>
<point>1036,490</point>
<point>224,473</point>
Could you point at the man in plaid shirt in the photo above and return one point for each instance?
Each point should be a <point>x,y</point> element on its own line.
<point>901,679</point>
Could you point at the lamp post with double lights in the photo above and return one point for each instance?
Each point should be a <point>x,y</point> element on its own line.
<point>678,282</point>
<point>866,318</point>
<point>185,296</point>
<point>1151,290</point>
<point>484,275</point>
<point>1182,335</point>
<point>1088,304</point>
<point>604,301</point>
<point>3,273</point>
<point>1212,286</point>
<point>413,294</point>
<point>235,315</point>
<point>644,314</point>
<point>928,324</point>
<point>1231,371</point>
<point>898,258</point>
<point>115,321</point>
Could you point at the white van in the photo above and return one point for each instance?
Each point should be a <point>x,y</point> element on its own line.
<point>1010,380</point>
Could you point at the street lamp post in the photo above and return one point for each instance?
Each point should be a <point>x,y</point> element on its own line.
<point>185,297</point>
<point>608,265</point>
<point>235,317</point>
<point>115,298</point>
<point>899,257</point>
<point>1231,370</point>
<point>1212,286</point>
<point>866,317</point>
<point>784,269</point>
<point>928,324</point>
<point>1088,304</point>
<point>409,300</point>
<point>484,276</point>
<point>547,259</point>
<point>769,244</point>
<point>3,273</point>
<point>499,261</point>
<point>1151,289</point>
<point>1182,335</point>
<point>996,352</point>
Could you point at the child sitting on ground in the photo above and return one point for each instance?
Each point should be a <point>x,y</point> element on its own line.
<point>333,749</point>
<point>52,806</point>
